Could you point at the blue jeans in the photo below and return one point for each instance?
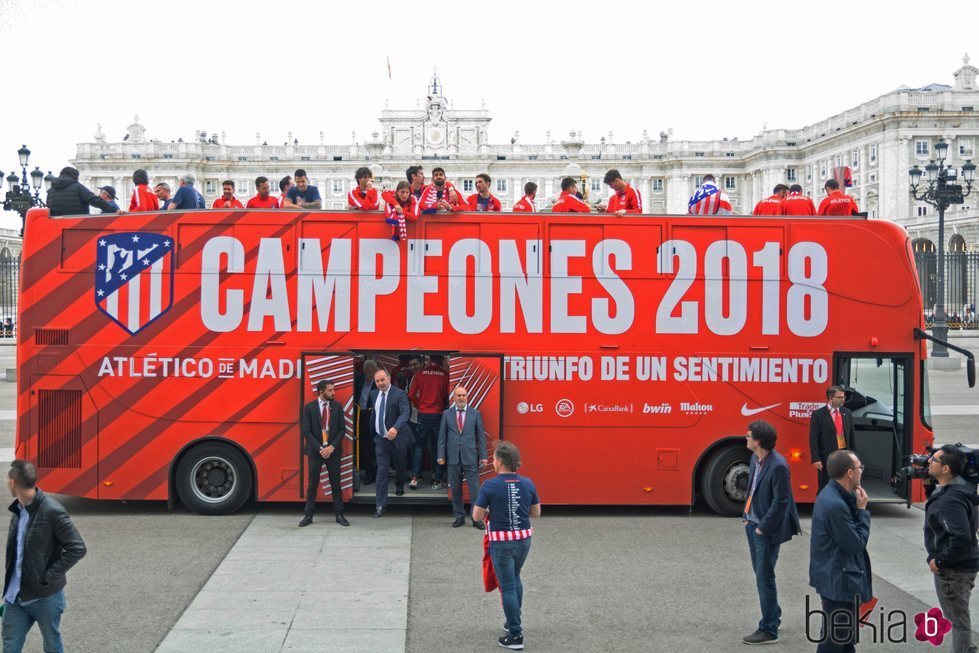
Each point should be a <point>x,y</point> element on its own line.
<point>18,619</point>
<point>508,559</point>
<point>427,435</point>
<point>764,555</point>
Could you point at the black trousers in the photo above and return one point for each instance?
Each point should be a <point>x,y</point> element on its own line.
<point>365,437</point>
<point>333,469</point>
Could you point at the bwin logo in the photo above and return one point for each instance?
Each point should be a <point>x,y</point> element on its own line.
<point>663,408</point>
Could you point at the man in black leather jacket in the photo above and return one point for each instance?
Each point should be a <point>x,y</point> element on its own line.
<point>42,545</point>
<point>68,197</point>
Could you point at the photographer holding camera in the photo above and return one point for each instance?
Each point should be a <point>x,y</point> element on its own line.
<point>951,520</point>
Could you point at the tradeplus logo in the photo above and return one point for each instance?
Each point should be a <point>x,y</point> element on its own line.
<point>932,626</point>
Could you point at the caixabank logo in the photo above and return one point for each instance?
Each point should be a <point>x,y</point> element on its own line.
<point>134,278</point>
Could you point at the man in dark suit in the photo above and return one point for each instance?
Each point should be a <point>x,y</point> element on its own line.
<point>839,567</point>
<point>462,445</point>
<point>830,429</point>
<point>363,387</point>
<point>322,430</point>
<point>392,437</point>
<point>770,519</point>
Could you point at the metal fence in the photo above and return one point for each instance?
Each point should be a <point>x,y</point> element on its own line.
<point>9,293</point>
<point>961,289</point>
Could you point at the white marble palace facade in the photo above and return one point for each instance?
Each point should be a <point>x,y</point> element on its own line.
<point>879,140</point>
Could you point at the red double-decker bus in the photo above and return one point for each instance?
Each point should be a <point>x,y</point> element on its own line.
<point>168,355</point>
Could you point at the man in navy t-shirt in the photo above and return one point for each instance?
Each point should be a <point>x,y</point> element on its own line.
<point>302,195</point>
<point>186,197</point>
<point>510,500</point>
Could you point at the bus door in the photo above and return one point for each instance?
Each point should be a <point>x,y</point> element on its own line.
<point>482,376</point>
<point>878,394</point>
<point>337,368</point>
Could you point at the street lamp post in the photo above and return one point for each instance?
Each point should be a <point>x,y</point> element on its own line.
<point>941,191</point>
<point>19,197</point>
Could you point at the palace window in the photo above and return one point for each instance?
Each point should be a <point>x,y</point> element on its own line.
<point>921,148</point>
<point>501,185</point>
<point>338,187</point>
<point>730,183</point>
<point>657,185</point>
<point>790,174</point>
<point>467,185</point>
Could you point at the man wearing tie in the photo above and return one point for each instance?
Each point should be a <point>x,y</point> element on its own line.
<point>462,444</point>
<point>392,437</point>
<point>830,429</point>
<point>322,430</point>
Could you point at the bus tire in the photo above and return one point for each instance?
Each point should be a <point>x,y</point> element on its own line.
<point>214,479</point>
<point>724,482</point>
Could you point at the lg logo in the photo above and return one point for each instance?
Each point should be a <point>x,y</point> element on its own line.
<point>523,408</point>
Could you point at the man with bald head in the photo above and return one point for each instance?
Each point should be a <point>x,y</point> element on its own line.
<point>462,446</point>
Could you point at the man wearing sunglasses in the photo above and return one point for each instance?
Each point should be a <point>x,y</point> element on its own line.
<point>951,521</point>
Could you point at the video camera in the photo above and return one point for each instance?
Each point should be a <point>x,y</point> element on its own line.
<point>917,466</point>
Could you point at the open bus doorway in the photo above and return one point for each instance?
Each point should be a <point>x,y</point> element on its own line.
<point>482,375</point>
<point>878,390</point>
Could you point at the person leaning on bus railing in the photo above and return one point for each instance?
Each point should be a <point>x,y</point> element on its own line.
<point>483,199</point>
<point>441,195</point>
<point>162,191</point>
<point>364,196</point>
<point>187,198</point>
<point>830,428</point>
<point>770,519</point>
<point>302,195</point>
<point>42,545</point>
<point>416,178</point>
<point>510,501</point>
<point>143,198</point>
<point>68,197</point>
<point>625,198</point>
<point>284,185</point>
<point>526,203</point>
<point>836,201</point>
<point>263,198</point>
<point>567,201</point>
<point>227,199</point>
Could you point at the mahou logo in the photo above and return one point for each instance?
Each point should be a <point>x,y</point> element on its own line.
<point>932,626</point>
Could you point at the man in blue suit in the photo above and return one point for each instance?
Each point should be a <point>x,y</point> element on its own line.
<point>770,519</point>
<point>839,567</point>
<point>392,437</point>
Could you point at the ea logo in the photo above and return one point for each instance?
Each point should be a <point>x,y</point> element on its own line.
<point>564,408</point>
<point>523,408</point>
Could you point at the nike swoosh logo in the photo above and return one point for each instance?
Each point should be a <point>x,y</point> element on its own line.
<point>748,412</point>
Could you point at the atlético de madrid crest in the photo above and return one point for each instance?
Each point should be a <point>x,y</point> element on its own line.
<point>134,278</point>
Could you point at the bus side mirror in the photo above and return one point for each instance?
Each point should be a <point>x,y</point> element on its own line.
<point>970,371</point>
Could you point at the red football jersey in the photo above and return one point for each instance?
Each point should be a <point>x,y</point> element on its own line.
<point>364,201</point>
<point>220,203</point>
<point>628,199</point>
<point>798,204</point>
<point>568,203</point>
<point>494,204</point>
<point>144,199</point>
<point>257,202</point>
<point>836,203</point>
<point>770,206</point>
<point>525,204</point>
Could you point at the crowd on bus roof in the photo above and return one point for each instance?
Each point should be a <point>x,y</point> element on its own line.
<point>413,198</point>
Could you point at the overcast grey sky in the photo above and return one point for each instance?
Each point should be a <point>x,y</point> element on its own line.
<point>705,69</point>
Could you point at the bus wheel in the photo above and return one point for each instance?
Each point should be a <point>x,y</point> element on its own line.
<point>213,479</point>
<point>724,483</point>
